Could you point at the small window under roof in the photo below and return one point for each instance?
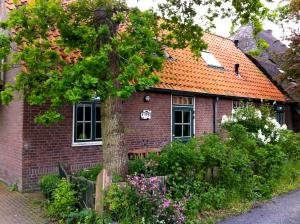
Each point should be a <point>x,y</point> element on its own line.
<point>210,59</point>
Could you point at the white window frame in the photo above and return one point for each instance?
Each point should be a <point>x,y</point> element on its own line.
<point>211,60</point>
<point>85,143</point>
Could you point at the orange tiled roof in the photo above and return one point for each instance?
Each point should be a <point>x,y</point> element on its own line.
<point>193,75</point>
<point>189,74</point>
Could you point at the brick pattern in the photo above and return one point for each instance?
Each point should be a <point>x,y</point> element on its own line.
<point>224,108</point>
<point>45,147</point>
<point>203,115</point>
<point>153,133</point>
<point>15,208</point>
<point>11,131</point>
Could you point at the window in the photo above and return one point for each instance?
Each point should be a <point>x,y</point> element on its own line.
<point>210,59</point>
<point>182,100</point>
<point>183,118</point>
<point>87,122</point>
<point>2,74</point>
<point>240,104</point>
<point>279,114</point>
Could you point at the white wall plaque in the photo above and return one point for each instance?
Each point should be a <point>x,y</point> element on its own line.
<point>146,115</point>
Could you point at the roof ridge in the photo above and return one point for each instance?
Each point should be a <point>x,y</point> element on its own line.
<point>218,35</point>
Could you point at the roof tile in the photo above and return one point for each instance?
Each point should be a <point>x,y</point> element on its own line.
<point>193,75</point>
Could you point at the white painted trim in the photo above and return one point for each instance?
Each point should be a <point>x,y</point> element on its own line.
<point>77,144</point>
<point>73,124</point>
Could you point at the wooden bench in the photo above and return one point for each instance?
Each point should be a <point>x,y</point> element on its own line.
<point>142,153</point>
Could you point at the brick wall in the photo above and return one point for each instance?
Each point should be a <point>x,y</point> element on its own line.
<point>45,147</point>
<point>203,115</point>
<point>11,143</point>
<point>11,131</point>
<point>224,108</point>
<point>153,133</point>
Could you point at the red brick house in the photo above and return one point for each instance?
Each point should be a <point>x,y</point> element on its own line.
<point>190,100</point>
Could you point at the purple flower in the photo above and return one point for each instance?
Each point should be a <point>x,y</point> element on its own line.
<point>166,203</point>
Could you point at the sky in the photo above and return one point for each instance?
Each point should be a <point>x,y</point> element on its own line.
<point>223,26</point>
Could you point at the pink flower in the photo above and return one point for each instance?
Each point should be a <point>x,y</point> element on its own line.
<point>166,203</point>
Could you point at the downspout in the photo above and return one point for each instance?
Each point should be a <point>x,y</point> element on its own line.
<point>215,114</point>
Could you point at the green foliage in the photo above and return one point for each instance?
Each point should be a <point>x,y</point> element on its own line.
<point>290,143</point>
<point>48,184</point>
<point>85,216</point>
<point>112,62</point>
<point>13,187</point>
<point>64,200</point>
<point>90,173</point>
<point>213,172</point>
<point>48,118</point>
<point>121,203</point>
<point>254,53</point>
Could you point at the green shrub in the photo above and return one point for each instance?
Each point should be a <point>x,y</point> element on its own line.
<point>90,173</point>
<point>246,164</point>
<point>64,200</point>
<point>290,143</point>
<point>48,184</point>
<point>85,216</point>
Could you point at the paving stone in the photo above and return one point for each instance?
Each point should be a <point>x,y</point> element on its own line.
<point>15,208</point>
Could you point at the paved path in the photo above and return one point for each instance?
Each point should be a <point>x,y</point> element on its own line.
<point>281,210</point>
<point>16,208</point>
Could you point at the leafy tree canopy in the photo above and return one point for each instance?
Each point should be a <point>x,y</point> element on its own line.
<point>97,31</point>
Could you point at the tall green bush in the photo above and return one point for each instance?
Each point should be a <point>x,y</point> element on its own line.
<point>48,184</point>
<point>64,200</point>
<point>210,171</point>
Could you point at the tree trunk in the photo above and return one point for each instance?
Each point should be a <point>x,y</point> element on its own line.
<point>115,154</point>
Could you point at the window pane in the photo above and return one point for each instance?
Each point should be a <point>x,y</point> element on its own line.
<point>182,100</point>
<point>210,59</point>
<point>88,112</point>
<point>98,113</point>
<point>88,130</point>
<point>186,117</point>
<point>186,130</point>
<point>178,116</point>
<point>79,113</point>
<point>98,130</point>
<point>178,131</point>
<point>79,131</point>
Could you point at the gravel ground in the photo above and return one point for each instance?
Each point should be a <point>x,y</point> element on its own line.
<point>284,209</point>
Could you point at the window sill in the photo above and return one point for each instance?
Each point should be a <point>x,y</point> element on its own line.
<point>78,144</point>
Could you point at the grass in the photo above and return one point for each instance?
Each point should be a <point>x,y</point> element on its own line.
<point>289,181</point>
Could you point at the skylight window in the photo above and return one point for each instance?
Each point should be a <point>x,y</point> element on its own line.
<point>210,59</point>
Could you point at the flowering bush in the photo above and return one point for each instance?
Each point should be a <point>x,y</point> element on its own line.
<point>163,209</point>
<point>215,171</point>
<point>144,200</point>
<point>257,121</point>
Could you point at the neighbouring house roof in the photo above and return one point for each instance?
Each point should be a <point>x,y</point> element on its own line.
<point>269,59</point>
<point>187,73</point>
